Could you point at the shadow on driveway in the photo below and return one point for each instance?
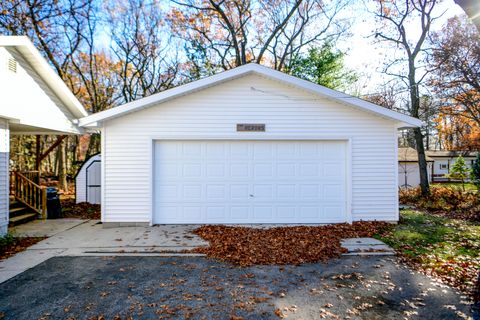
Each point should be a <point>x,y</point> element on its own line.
<point>198,288</point>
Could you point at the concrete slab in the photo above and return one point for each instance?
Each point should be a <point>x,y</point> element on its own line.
<point>74,237</point>
<point>366,246</point>
<point>45,228</point>
<point>93,235</point>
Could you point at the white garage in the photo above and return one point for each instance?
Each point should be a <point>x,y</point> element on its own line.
<point>238,181</point>
<point>248,145</point>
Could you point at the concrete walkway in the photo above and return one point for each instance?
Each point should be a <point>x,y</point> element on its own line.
<point>74,237</point>
<point>45,228</point>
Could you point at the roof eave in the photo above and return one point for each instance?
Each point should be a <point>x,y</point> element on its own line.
<point>404,120</point>
<point>27,49</point>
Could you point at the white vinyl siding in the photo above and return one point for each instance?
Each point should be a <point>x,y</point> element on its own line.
<point>4,175</point>
<point>26,97</point>
<point>214,112</point>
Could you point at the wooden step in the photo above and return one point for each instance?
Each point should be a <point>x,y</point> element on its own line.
<point>19,211</point>
<point>15,204</point>
<point>24,218</point>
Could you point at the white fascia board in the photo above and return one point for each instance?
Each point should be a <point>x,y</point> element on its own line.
<point>343,97</point>
<point>26,48</point>
<point>9,118</point>
<point>169,94</point>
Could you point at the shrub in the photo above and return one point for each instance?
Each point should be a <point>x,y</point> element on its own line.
<point>7,240</point>
<point>450,202</point>
<point>459,171</point>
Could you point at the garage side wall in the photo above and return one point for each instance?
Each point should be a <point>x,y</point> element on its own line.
<point>214,112</point>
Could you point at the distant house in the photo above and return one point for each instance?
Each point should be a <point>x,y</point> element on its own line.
<point>408,169</point>
<point>445,159</point>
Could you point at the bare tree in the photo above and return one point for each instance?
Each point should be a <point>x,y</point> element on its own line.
<point>388,95</point>
<point>456,61</point>
<point>394,17</point>
<point>405,168</point>
<point>149,62</point>
<point>56,27</point>
<point>229,33</point>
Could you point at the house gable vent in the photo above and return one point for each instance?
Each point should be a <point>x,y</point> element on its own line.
<point>12,65</point>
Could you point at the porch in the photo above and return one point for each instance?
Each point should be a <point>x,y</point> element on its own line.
<point>35,101</point>
<point>24,194</point>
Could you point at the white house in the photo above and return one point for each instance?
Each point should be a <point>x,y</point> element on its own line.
<point>249,145</point>
<point>408,169</point>
<point>445,159</point>
<point>34,100</point>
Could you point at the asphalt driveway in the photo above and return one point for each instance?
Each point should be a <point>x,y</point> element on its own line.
<point>352,287</point>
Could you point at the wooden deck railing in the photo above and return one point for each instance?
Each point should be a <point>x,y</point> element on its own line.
<point>29,193</point>
<point>32,175</point>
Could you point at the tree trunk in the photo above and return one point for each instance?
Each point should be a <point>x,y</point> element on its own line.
<point>74,151</point>
<point>422,162</point>
<point>93,145</point>
<point>62,167</point>
<point>417,132</point>
<point>56,169</point>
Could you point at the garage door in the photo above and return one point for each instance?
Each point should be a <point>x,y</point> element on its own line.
<point>249,182</point>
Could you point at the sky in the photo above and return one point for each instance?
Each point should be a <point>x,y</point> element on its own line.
<point>366,57</point>
<point>362,54</point>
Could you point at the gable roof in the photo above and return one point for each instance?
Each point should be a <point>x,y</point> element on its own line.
<point>25,47</point>
<point>451,153</point>
<point>251,68</point>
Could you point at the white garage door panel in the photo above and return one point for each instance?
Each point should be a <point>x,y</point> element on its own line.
<point>249,182</point>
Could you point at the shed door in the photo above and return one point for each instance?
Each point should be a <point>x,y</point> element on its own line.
<point>249,182</point>
<point>94,177</point>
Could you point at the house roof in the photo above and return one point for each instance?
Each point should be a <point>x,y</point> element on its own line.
<point>451,153</point>
<point>410,155</point>
<point>252,68</point>
<point>25,47</point>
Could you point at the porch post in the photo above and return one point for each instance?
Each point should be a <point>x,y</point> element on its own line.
<point>4,175</point>
<point>37,152</point>
<point>37,157</point>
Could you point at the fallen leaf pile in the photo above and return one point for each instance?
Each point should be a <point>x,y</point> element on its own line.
<point>17,245</point>
<point>82,210</point>
<point>448,202</point>
<point>246,246</point>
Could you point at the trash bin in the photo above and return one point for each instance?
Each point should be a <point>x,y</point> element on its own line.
<point>54,208</point>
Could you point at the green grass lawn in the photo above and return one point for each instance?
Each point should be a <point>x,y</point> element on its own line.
<point>446,248</point>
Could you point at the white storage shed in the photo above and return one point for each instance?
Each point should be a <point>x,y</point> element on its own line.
<point>88,181</point>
